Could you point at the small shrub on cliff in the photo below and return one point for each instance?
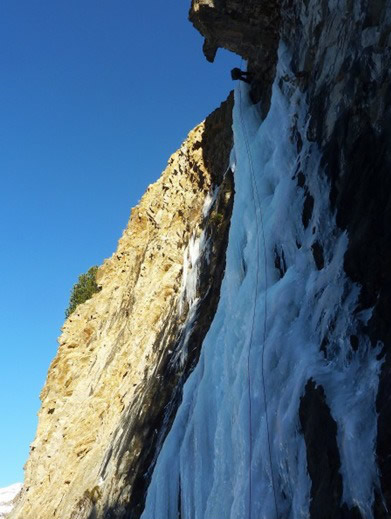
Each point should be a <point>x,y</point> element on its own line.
<point>216,217</point>
<point>85,288</point>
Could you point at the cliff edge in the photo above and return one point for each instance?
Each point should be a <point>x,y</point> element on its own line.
<point>123,355</point>
<point>285,410</point>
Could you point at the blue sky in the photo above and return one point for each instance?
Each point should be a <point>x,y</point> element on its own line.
<point>94,97</point>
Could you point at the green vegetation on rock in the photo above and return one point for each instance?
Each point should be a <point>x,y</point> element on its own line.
<point>84,289</point>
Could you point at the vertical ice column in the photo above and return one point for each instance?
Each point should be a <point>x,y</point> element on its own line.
<point>228,455</point>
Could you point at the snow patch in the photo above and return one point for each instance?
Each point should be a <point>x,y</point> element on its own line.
<point>7,495</point>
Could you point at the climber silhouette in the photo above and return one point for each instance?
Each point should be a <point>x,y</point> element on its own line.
<point>241,75</point>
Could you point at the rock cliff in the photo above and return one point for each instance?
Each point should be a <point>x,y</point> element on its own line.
<point>123,355</point>
<point>257,383</point>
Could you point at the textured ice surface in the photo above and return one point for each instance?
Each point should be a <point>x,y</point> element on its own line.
<point>191,258</point>
<point>6,496</point>
<point>188,298</point>
<point>264,342</point>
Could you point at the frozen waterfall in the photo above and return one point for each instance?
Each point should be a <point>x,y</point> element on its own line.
<point>227,454</point>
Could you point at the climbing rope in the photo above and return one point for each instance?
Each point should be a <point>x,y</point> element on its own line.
<point>255,189</point>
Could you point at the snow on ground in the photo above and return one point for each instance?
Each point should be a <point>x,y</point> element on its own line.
<point>6,496</point>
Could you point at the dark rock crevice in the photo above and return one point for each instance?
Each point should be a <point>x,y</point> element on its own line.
<point>323,459</point>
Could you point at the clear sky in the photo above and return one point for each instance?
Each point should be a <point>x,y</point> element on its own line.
<point>94,97</point>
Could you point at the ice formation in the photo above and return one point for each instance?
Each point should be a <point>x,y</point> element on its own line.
<point>188,299</point>
<point>228,455</point>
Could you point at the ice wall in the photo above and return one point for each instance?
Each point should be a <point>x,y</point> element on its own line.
<point>235,449</point>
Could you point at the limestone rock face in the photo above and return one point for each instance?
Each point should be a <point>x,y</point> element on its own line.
<point>114,388</point>
<point>250,29</point>
<point>242,27</point>
<point>123,355</point>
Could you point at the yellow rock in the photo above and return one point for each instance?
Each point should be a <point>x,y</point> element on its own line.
<point>109,371</point>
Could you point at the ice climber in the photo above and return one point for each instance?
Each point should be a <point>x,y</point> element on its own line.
<point>236,73</point>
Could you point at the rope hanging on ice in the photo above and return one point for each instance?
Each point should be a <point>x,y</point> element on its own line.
<point>248,150</point>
